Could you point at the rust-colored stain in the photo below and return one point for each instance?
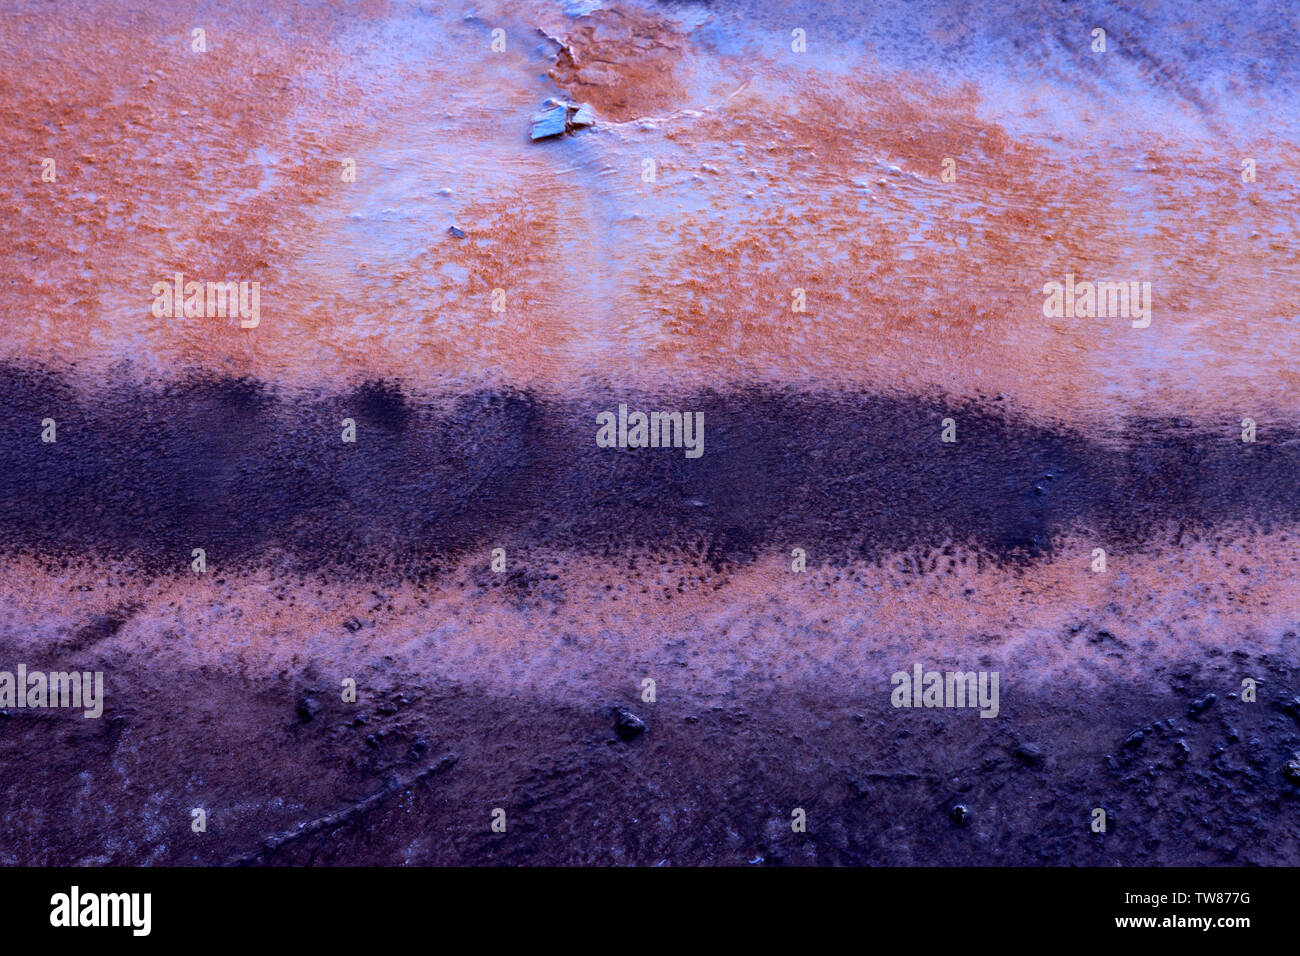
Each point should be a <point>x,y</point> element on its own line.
<point>768,178</point>
<point>624,62</point>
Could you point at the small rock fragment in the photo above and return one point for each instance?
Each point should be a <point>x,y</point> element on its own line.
<point>1201,705</point>
<point>456,233</point>
<point>558,117</point>
<point>1291,707</point>
<point>550,122</point>
<point>1292,769</point>
<point>627,724</point>
<point>1029,755</point>
<point>308,708</point>
<point>959,814</point>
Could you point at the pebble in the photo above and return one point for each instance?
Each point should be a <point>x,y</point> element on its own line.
<point>627,724</point>
<point>1029,755</point>
<point>1292,769</point>
<point>308,708</point>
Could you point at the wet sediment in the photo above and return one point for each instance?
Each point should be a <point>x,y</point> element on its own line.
<point>233,467</point>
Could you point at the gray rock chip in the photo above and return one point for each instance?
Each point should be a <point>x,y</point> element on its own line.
<point>627,724</point>
<point>558,117</point>
<point>551,122</point>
